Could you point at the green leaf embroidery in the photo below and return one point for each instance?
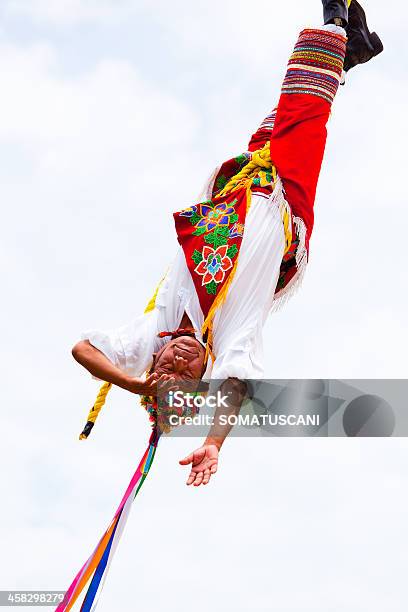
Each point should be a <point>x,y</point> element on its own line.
<point>241,159</point>
<point>220,241</point>
<point>232,251</point>
<point>195,218</point>
<point>234,218</point>
<point>221,181</point>
<point>211,288</point>
<point>223,231</point>
<point>199,231</point>
<point>215,239</point>
<point>197,257</point>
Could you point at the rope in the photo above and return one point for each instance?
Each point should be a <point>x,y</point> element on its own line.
<point>95,410</point>
<point>260,159</point>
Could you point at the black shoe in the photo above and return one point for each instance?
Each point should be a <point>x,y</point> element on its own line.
<point>362,45</point>
<point>333,9</point>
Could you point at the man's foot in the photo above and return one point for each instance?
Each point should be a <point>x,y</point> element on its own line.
<point>362,45</point>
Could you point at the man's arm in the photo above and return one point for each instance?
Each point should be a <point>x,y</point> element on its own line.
<point>235,391</point>
<point>204,460</point>
<point>99,365</point>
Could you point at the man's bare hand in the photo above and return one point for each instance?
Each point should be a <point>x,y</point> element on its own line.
<point>204,462</point>
<point>150,386</point>
<point>144,387</point>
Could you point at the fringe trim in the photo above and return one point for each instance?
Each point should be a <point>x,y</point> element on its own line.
<point>206,192</point>
<point>284,295</point>
<point>278,198</point>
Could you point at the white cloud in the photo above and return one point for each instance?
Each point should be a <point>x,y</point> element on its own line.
<point>106,109</point>
<point>90,148</point>
<point>66,12</point>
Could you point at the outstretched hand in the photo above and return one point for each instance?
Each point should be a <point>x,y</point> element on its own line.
<point>204,462</point>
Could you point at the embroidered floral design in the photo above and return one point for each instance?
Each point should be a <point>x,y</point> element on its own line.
<point>189,212</point>
<point>214,220</point>
<point>213,265</point>
<point>237,230</point>
<point>213,216</point>
<point>217,225</point>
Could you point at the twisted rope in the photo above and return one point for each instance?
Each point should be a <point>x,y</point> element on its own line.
<point>260,159</point>
<point>95,410</point>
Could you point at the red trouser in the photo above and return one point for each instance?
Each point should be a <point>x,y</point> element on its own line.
<point>298,131</point>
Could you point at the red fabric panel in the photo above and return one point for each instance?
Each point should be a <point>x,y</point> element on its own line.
<point>211,246</point>
<point>259,139</point>
<point>263,133</point>
<point>297,147</point>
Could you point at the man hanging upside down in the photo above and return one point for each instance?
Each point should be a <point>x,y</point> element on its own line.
<point>244,246</point>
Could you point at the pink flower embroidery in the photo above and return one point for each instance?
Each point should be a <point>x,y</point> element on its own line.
<point>214,264</point>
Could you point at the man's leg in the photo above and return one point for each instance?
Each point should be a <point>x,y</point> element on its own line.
<point>334,12</point>
<point>299,135</point>
<point>362,46</point>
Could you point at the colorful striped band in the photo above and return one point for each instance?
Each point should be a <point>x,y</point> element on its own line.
<point>316,64</point>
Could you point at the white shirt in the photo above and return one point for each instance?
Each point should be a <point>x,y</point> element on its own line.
<point>237,326</point>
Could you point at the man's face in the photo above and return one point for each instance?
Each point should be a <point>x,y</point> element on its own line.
<point>182,358</point>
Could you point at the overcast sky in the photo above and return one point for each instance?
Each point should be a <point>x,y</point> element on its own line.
<point>112,115</point>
